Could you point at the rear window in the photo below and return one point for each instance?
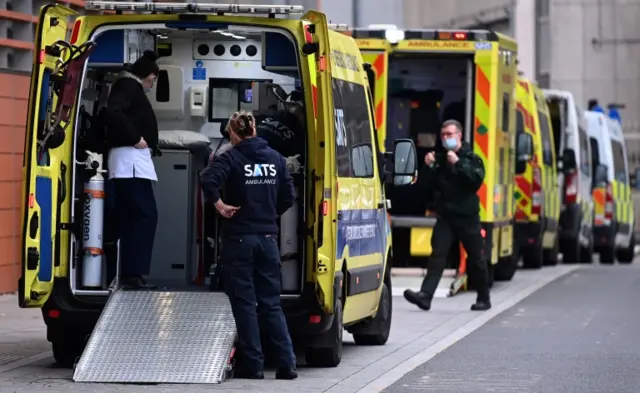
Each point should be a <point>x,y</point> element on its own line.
<point>619,167</point>
<point>585,156</point>
<point>545,132</point>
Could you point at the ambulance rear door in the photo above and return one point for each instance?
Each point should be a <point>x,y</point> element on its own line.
<point>324,190</point>
<point>46,165</point>
<point>378,58</point>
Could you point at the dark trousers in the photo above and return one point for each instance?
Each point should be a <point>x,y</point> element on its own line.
<point>251,266</point>
<point>137,214</point>
<point>445,233</point>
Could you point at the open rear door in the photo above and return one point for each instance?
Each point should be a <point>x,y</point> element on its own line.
<point>379,61</point>
<point>46,170</point>
<point>325,195</point>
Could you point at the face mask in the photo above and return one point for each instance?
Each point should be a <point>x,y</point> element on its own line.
<point>450,143</point>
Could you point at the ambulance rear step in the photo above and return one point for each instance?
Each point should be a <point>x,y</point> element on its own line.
<point>160,337</point>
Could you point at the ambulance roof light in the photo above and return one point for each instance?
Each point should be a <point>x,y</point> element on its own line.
<point>339,26</point>
<point>192,7</point>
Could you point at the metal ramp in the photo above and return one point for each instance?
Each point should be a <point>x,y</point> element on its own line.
<point>160,337</point>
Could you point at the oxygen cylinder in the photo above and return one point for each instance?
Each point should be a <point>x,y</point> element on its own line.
<point>92,223</point>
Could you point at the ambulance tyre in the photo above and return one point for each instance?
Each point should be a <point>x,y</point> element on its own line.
<point>506,267</point>
<point>550,257</point>
<point>586,253</point>
<point>66,352</point>
<point>607,255</point>
<point>326,351</point>
<point>625,256</point>
<point>376,331</point>
<point>532,257</point>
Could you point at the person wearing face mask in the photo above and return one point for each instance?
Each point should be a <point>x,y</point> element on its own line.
<point>131,138</point>
<point>455,178</point>
<point>258,188</point>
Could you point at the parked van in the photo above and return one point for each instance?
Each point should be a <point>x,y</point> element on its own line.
<point>214,59</point>
<point>573,153</point>
<point>537,197</point>
<point>614,216</point>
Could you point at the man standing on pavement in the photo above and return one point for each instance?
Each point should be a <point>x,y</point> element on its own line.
<point>259,188</point>
<point>454,178</point>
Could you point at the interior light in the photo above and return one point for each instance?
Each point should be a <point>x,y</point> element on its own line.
<point>394,35</point>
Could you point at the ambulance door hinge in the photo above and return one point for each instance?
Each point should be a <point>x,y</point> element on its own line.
<point>71,227</point>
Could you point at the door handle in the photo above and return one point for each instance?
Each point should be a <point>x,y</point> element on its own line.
<point>381,205</point>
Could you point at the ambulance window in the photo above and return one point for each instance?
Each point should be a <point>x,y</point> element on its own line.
<point>162,87</point>
<point>354,150</point>
<point>619,167</point>
<point>519,122</point>
<point>505,112</point>
<point>585,156</point>
<point>545,133</point>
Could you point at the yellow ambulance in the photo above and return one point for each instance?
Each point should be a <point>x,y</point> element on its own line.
<point>424,77</point>
<point>537,196</point>
<point>215,59</point>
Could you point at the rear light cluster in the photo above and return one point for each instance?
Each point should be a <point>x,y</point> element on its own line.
<point>608,203</point>
<point>536,192</point>
<point>571,187</point>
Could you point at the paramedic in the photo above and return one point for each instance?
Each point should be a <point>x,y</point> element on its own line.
<point>454,177</point>
<point>258,189</point>
<point>131,136</point>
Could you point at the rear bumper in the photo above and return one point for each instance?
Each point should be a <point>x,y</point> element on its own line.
<point>528,234</point>
<point>570,222</point>
<point>65,313</point>
<point>604,235</point>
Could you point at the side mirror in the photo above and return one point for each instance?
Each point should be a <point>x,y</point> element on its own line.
<point>600,175</point>
<point>569,160</point>
<point>405,162</point>
<point>524,147</point>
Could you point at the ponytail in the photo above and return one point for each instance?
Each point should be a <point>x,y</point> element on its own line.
<point>242,124</point>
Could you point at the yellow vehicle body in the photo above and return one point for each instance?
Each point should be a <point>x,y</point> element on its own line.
<point>537,197</point>
<point>489,125</point>
<point>347,229</point>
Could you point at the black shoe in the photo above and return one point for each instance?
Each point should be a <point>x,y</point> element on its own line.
<point>136,282</point>
<point>245,374</point>
<point>286,373</point>
<point>481,305</point>
<point>420,299</point>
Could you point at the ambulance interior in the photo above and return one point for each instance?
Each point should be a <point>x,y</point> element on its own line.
<point>424,90</point>
<point>206,74</point>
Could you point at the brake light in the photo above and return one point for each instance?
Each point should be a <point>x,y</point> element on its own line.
<point>571,187</point>
<point>459,36</point>
<point>75,32</point>
<point>536,192</point>
<point>325,208</point>
<point>608,203</point>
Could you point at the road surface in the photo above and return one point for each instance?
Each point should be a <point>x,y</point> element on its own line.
<point>540,343</point>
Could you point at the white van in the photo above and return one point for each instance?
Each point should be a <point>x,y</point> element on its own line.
<point>573,152</point>
<point>613,206</point>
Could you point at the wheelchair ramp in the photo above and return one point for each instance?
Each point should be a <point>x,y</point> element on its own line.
<point>160,337</point>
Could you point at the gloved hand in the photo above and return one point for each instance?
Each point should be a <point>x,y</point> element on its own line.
<point>293,165</point>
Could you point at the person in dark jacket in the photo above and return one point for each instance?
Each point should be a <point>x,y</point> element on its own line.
<point>132,136</point>
<point>455,177</point>
<point>258,188</point>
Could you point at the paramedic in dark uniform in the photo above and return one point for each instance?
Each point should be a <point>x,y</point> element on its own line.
<point>132,136</point>
<point>454,177</point>
<point>258,189</point>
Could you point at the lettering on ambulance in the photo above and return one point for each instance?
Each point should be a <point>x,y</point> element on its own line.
<point>363,231</point>
<point>257,174</point>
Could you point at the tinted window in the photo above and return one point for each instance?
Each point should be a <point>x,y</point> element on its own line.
<point>354,150</point>
<point>619,167</point>
<point>545,133</point>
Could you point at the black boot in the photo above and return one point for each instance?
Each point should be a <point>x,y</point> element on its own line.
<point>286,373</point>
<point>420,299</point>
<point>245,374</point>
<point>481,305</point>
<point>136,283</point>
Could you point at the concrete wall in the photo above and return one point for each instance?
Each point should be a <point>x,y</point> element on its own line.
<point>13,106</point>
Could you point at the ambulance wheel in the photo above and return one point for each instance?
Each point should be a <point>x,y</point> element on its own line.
<point>532,256</point>
<point>607,255</point>
<point>326,351</point>
<point>625,256</point>
<point>376,331</point>
<point>550,257</point>
<point>67,351</point>
<point>506,267</point>
<point>586,253</point>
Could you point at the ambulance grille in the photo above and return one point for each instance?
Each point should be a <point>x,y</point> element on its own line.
<point>160,337</point>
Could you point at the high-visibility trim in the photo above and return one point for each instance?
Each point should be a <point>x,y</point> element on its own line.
<point>481,137</point>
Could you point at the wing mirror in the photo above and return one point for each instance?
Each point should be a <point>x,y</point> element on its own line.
<point>405,162</point>
<point>524,147</point>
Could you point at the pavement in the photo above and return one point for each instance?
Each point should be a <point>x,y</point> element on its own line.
<point>578,334</point>
<point>26,364</point>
